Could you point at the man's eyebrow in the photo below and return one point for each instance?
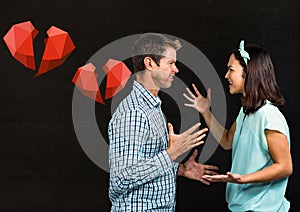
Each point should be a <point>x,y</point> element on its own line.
<point>171,59</point>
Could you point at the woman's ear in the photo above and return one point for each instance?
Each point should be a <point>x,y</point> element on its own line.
<point>149,63</point>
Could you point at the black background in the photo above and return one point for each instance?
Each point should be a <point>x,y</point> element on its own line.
<point>42,166</point>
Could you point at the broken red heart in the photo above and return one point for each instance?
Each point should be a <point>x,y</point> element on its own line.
<point>117,76</point>
<point>58,46</point>
<point>85,79</point>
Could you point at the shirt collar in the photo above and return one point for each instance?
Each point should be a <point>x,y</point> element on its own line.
<point>149,98</point>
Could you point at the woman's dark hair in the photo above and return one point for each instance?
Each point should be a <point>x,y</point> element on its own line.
<point>260,80</point>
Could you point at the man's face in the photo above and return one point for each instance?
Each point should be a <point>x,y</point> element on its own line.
<point>163,74</point>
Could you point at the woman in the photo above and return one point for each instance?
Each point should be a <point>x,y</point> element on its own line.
<point>259,138</point>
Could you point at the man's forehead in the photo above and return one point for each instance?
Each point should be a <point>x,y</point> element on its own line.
<point>170,53</point>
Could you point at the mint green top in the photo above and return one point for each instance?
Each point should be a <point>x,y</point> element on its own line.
<point>250,154</point>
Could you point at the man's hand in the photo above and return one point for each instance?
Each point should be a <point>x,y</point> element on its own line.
<point>179,144</point>
<point>193,170</point>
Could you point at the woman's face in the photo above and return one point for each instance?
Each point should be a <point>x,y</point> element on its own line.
<point>235,77</point>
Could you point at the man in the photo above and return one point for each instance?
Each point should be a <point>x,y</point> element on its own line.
<point>142,153</point>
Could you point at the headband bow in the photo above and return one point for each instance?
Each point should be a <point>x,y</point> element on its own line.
<point>243,53</point>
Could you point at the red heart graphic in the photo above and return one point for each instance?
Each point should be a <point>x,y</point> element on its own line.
<point>58,46</point>
<point>85,79</point>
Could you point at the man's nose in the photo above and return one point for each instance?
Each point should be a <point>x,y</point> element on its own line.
<point>175,69</point>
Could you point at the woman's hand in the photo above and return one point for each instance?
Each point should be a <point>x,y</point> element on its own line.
<point>228,177</point>
<point>198,102</point>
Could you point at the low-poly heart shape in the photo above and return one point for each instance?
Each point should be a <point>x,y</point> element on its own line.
<point>58,46</point>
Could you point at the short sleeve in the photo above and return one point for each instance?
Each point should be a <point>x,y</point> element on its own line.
<point>274,120</point>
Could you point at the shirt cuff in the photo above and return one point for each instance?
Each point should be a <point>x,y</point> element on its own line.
<point>165,161</point>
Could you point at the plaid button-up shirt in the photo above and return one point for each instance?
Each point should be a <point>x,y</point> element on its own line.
<point>142,175</point>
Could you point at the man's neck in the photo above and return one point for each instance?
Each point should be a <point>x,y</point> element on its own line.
<point>147,83</point>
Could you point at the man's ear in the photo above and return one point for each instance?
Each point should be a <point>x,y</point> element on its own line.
<point>149,63</point>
